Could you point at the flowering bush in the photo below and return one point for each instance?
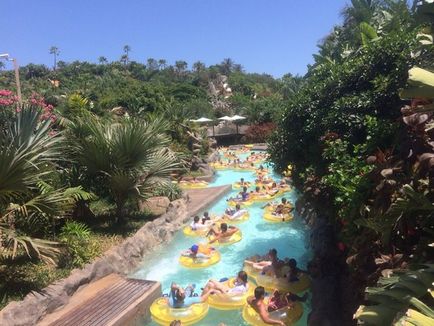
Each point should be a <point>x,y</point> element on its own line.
<point>47,109</point>
<point>7,98</point>
<point>259,133</point>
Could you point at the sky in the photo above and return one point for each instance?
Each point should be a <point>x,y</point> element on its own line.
<point>264,36</point>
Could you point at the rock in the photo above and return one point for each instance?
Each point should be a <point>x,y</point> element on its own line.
<point>155,205</point>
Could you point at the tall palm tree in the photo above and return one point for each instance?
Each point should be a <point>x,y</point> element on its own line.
<point>181,67</point>
<point>55,52</point>
<point>127,50</point>
<point>226,66</point>
<point>162,64</point>
<point>152,64</point>
<point>102,60</point>
<point>129,157</point>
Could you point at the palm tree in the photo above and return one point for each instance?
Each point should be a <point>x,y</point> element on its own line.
<point>180,66</point>
<point>124,59</point>
<point>27,151</point>
<point>55,52</point>
<point>127,50</point>
<point>152,64</point>
<point>226,66</point>
<point>198,66</point>
<point>102,60</point>
<point>129,157</point>
<point>162,64</point>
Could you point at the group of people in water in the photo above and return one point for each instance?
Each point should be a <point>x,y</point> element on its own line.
<point>219,229</point>
<point>268,264</point>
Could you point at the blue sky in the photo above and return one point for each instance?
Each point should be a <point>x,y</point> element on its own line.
<point>265,36</point>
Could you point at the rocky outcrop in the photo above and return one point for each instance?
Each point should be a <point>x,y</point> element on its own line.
<point>331,281</point>
<point>121,259</point>
<point>155,205</point>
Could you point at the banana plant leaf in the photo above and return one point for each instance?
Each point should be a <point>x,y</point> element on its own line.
<point>421,84</point>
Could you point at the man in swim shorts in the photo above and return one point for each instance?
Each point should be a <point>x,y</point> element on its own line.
<point>224,233</point>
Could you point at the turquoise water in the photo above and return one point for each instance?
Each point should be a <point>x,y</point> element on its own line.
<point>290,240</point>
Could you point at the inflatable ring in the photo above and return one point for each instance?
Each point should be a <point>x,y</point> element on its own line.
<point>234,238</point>
<point>272,208</point>
<point>284,189</point>
<point>163,314</point>
<point>225,301</point>
<point>230,219</point>
<point>269,216</point>
<point>242,203</point>
<point>288,315</point>
<point>263,197</point>
<point>193,185</point>
<point>194,233</point>
<point>218,166</point>
<point>238,185</point>
<point>245,168</point>
<point>190,262</point>
<point>271,283</point>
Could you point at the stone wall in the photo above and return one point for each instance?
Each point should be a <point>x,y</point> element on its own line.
<point>121,259</point>
<point>331,281</point>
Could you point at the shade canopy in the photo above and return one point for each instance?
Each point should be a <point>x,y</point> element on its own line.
<point>203,119</point>
<point>225,118</point>
<point>237,117</point>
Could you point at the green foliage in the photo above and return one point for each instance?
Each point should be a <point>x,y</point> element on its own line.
<point>170,190</point>
<point>129,158</point>
<point>26,155</point>
<point>76,237</point>
<point>402,292</point>
<point>345,174</point>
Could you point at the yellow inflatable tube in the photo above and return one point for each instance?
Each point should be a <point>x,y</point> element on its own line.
<point>269,216</point>
<point>193,185</point>
<point>262,197</point>
<point>271,283</point>
<point>194,233</point>
<point>227,301</point>
<point>288,315</point>
<point>284,189</point>
<point>190,262</point>
<point>218,166</point>
<point>163,314</point>
<point>242,203</point>
<point>234,238</point>
<point>238,185</point>
<point>234,220</point>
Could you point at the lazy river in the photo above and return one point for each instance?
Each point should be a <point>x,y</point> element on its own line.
<point>258,235</point>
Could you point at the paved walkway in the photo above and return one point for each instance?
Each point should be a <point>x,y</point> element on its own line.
<point>201,199</point>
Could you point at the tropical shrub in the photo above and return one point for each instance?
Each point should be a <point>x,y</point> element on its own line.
<point>170,190</point>
<point>126,159</point>
<point>403,298</point>
<point>76,237</point>
<point>27,202</point>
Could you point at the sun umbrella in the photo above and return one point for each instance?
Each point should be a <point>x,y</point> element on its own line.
<point>237,117</point>
<point>203,120</point>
